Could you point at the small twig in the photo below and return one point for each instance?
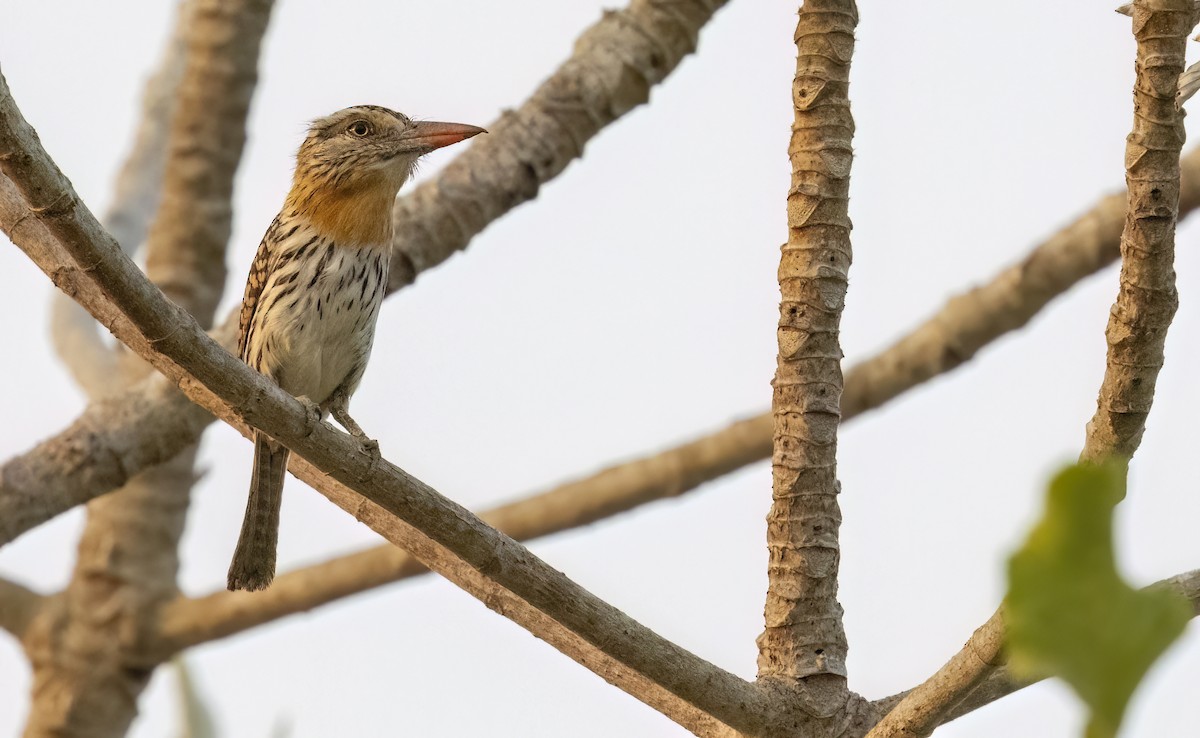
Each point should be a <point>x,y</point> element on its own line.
<point>18,607</point>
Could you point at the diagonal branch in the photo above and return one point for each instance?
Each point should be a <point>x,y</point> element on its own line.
<point>611,71</point>
<point>625,53</point>
<point>949,338</point>
<point>18,606</point>
<point>446,537</point>
<point>921,710</point>
<point>148,424</point>
<point>945,697</point>
<point>804,636</point>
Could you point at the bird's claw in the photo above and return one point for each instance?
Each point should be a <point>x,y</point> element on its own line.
<point>313,411</point>
<point>370,447</point>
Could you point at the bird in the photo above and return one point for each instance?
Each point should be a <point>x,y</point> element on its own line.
<point>312,297</point>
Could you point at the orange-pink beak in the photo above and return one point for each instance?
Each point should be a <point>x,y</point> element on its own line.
<point>430,135</point>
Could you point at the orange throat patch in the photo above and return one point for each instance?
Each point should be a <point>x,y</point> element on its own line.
<point>357,214</point>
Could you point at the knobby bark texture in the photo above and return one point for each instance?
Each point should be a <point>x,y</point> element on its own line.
<point>804,636</point>
<point>145,425</point>
<point>446,537</point>
<point>611,71</point>
<point>1147,300</point>
<point>89,651</point>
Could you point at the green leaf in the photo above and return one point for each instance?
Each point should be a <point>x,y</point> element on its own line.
<point>1068,611</point>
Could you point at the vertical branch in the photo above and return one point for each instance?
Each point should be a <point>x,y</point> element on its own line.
<point>1136,333</point>
<point>1147,300</point>
<point>804,634</point>
<point>75,334</point>
<point>186,249</point>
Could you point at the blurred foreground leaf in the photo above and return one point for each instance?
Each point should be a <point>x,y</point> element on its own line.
<point>196,719</point>
<point>1071,615</point>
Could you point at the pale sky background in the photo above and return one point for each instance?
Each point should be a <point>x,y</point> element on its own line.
<point>633,306</point>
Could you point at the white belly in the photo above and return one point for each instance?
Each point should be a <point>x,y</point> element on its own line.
<point>322,338</point>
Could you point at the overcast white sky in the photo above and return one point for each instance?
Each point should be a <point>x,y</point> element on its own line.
<point>633,306</point>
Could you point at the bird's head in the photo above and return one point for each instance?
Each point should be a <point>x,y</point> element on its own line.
<point>352,164</point>
<point>370,145</point>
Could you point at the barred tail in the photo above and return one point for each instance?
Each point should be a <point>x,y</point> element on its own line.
<point>253,564</point>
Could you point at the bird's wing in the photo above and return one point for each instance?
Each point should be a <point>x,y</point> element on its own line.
<point>259,272</point>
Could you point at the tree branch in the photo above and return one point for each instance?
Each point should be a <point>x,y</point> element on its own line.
<point>18,607</point>
<point>651,36</point>
<point>1136,332</point>
<point>920,703</point>
<point>804,634</point>
<point>116,438</point>
<point>74,334</point>
<point>87,668</point>
<point>444,536</point>
<point>924,708</point>
<point>611,71</point>
<point>185,252</point>
<point>1147,300</point>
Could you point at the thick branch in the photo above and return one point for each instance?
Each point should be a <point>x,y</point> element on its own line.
<point>446,537</point>
<point>804,635</point>
<point>18,606</point>
<point>76,336</point>
<point>1147,300</point>
<point>614,65</point>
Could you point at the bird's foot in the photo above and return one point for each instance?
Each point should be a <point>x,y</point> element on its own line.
<point>370,447</point>
<point>313,411</point>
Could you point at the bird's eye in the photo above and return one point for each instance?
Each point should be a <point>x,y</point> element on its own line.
<point>359,128</point>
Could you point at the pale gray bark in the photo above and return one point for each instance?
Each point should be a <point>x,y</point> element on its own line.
<point>611,71</point>
<point>94,362</point>
<point>615,62</point>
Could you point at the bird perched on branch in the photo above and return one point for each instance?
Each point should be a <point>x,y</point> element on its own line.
<point>314,290</point>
